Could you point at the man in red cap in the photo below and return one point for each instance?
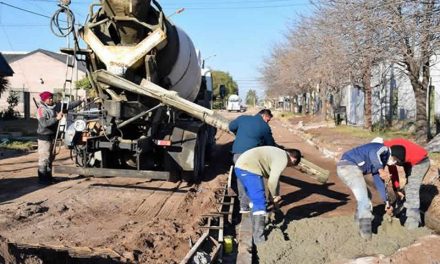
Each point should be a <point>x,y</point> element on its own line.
<point>48,115</point>
<point>416,163</point>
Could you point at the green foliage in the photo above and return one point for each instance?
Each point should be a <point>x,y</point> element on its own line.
<point>251,98</point>
<point>218,104</point>
<point>17,145</point>
<point>4,84</point>
<point>85,84</point>
<point>12,101</point>
<point>220,77</point>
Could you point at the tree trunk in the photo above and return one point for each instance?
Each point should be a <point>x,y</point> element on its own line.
<point>324,103</point>
<point>366,82</point>
<point>421,117</point>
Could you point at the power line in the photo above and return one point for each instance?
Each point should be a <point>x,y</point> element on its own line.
<point>218,5</point>
<point>24,10</point>
<point>29,11</point>
<point>56,1</point>
<point>238,7</point>
<point>193,2</point>
<point>192,8</point>
<point>7,38</point>
<point>237,1</point>
<point>23,25</point>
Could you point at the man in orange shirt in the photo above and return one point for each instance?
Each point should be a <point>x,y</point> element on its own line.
<point>416,165</point>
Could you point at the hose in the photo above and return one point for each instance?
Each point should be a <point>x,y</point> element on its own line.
<point>55,26</point>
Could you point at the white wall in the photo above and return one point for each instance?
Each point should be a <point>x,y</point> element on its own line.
<point>385,78</point>
<point>28,72</point>
<point>435,74</point>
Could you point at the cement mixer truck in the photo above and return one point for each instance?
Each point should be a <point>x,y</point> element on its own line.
<point>153,118</point>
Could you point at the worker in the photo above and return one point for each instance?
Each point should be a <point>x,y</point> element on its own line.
<point>250,168</point>
<point>250,131</point>
<point>48,115</point>
<point>415,163</point>
<point>366,159</point>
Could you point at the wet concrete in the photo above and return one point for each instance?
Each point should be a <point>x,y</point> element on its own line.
<point>324,240</point>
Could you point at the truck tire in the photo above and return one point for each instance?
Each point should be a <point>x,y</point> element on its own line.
<point>199,155</point>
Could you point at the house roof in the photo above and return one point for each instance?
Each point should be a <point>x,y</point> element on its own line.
<point>5,69</point>
<point>11,57</point>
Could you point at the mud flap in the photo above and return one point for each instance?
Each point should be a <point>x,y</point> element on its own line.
<point>187,151</point>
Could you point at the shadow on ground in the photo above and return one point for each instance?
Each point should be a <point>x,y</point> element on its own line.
<point>281,221</point>
<point>14,188</point>
<point>220,161</point>
<point>10,153</point>
<point>306,189</point>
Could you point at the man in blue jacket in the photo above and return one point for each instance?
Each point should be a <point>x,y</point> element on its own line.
<point>250,132</point>
<point>366,159</point>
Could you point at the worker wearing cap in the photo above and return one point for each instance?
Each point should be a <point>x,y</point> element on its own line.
<point>250,168</point>
<point>366,159</point>
<point>415,162</point>
<point>48,115</point>
<point>250,131</point>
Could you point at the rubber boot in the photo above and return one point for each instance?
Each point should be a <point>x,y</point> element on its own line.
<point>365,229</point>
<point>258,223</point>
<point>50,178</point>
<point>42,178</point>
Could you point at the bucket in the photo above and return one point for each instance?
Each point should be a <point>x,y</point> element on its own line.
<point>228,244</point>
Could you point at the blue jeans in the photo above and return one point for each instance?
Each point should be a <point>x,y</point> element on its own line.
<point>242,197</point>
<point>254,188</point>
<point>353,177</point>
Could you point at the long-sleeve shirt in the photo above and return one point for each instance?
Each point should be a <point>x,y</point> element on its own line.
<point>370,158</point>
<point>413,154</point>
<point>47,119</point>
<point>250,132</point>
<point>267,161</point>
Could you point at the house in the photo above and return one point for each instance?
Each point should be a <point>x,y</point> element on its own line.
<point>390,87</point>
<point>38,71</point>
<point>5,69</point>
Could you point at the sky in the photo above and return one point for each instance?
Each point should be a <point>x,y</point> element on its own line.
<point>234,36</point>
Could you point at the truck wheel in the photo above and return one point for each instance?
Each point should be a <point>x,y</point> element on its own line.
<point>199,155</point>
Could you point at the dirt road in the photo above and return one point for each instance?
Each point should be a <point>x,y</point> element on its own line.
<point>140,221</point>
<point>153,221</point>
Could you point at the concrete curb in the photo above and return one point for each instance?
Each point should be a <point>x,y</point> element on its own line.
<point>329,154</point>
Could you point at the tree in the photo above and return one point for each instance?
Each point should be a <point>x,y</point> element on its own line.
<point>416,39</point>
<point>12,101</point>
<point>401,32</point>
<point>251,97</point>
<point>4,84</point>
<point>85,84</point>
<point>223,78</point>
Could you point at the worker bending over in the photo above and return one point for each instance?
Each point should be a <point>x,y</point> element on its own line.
<point>366,159</point>
<point>415,162</point>
<point>250,168</point>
